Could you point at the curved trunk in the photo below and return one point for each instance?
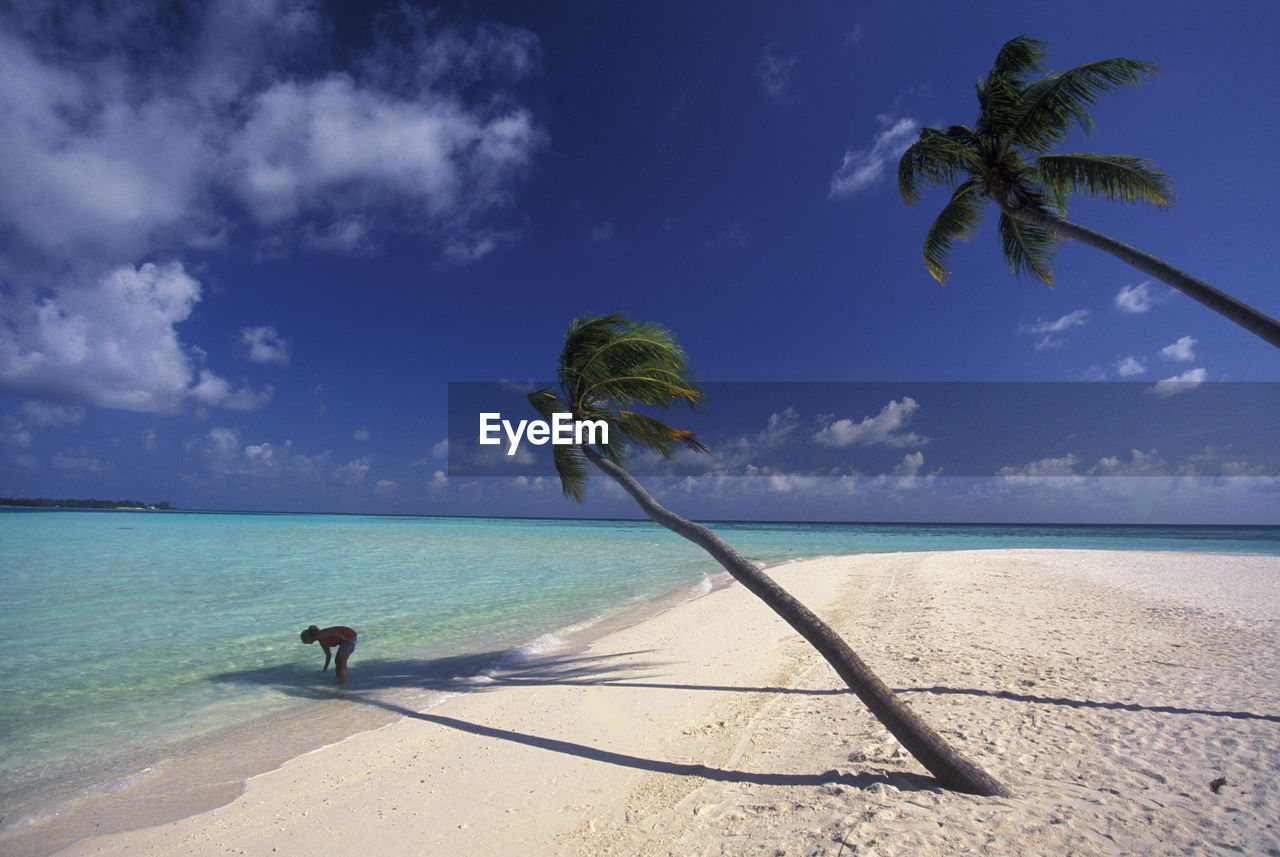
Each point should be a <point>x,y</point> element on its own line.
<point>928,747</point>
<point>1220,302</point>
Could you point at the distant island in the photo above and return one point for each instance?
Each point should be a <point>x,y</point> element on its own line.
<point>46,503</point>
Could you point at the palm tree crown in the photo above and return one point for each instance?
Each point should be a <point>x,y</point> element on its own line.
<point>608,365</point>
<point>1003,158</point>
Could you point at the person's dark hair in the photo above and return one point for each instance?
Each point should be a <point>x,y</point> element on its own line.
<point>310,633</point>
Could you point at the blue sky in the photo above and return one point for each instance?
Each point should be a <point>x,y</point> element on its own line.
<point>245,246</point>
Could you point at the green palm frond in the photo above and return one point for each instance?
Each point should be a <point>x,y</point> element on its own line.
<point>546,403</point>
<point>959,220</point>
<point>571,467</point>
<point>650,386</point>
<point>1000,93</point>
<point>1053,103</point>
<point>1122,178</point>
<point>609,364</point>
<point>616,449</point>
<point>1022,112</point>
<point>587,334</point>
<point>1018,57</point>
<point>1000,105</point>
<point>936,158</point>
<point>1028,248</point>
<point>967,137</point>
<point>651,433</point>
<point>1053,198</point>
<point>635,362</point>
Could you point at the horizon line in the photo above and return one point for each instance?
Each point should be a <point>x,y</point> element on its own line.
<point>647,520</point>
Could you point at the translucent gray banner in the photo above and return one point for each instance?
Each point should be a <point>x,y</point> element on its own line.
<point>909,430</point>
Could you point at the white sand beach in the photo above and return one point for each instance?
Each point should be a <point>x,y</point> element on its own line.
<point>1108,690</point>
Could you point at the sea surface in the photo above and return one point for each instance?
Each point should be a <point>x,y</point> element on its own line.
<point>134,636</point>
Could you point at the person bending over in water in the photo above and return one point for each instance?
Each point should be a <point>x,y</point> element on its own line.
<point>342,637</point>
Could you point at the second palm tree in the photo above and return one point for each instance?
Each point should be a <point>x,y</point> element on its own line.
<point>610,365</point>
<point>1004,159</point>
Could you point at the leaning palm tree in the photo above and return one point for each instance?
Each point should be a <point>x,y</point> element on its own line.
<point>609,366</point>
<point>1004,158</point>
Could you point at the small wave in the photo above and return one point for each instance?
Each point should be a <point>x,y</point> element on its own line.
<point>554,641</point>
<point>540,646</point>
<point>480,679</point>
<point>26,820</point>
<point>709,583</point>
<point>121,783</point>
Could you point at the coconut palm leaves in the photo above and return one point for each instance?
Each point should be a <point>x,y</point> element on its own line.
<point>1002,158</point>
<point>610,365</point>
<point>1121,178</point>
<point>959,219</point>
<point>1022,113</point>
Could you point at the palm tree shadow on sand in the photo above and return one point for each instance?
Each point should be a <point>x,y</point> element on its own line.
<point>488,671</point>
<point>470,672</point>
<point>1089,703</point>
<point>377,681</point>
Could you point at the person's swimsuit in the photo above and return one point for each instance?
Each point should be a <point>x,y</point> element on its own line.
<point>334,639</point>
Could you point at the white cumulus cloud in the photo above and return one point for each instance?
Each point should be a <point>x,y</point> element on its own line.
<point>141,133</point>
<point>1188,380</point>
<point>1063,466</point>
<point>112,343</point>
<point>264,345</point>
<point>1183,351</point>
<point>218,393</point>
<point>334,144</point>
<point>1139,463</point>
<point>355,470</point>
<point>47,415</point>
<point>103,172</point>
<point>1139,298</point>
<point>886,427</point>
<point>225,453</point>
<point>1130,366</point>
<point>134,126</point>
<point>910,464</point>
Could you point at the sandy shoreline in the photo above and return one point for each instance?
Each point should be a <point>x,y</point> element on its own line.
<point>1108,689</point>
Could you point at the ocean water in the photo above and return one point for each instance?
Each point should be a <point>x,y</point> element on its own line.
<point>135,635</point>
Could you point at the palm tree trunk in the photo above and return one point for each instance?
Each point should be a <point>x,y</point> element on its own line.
<point>928,747</point>
<point>1220,302</point>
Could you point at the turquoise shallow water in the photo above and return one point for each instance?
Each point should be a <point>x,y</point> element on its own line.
<point>134,632</point>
